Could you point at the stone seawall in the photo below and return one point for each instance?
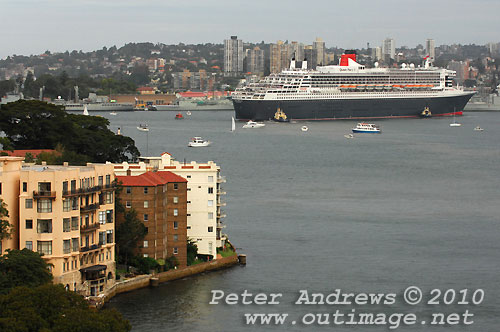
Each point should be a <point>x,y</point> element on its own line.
<point>143,281</point>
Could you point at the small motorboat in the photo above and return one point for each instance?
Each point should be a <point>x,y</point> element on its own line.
<point>304,128</point>
<point>349,136</point>
<point>369,128</point>
<point>188,113</point>
<point>253,124</point>
<point>197,142</point>
<point>455,124</point>
<point>113,113</point>
<point>143,127</point>
<point>477,128</point>
<point>179,116</point>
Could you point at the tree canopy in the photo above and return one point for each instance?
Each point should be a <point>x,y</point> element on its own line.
<point>22,268</point>
<point>32,124</point>
<point>5,226</point>
<point>128,234</point>
<point>51,308</point>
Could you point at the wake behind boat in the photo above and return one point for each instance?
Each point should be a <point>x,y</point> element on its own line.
<point>143,127</point>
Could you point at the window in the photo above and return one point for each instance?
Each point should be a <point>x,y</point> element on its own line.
<point>109,197</point>
<point>74,244</point>
<point>176,225</point>
<point>145,255</point>
<point>74,223</point>
<point>44,187</point>
<point>66,246</point>
<point>28,203</point>
<point>109,236</point>
<point>128,204</point>
<point>66,205</point>
<point>189,227</point>
<point>210,215</point>
<point>102,217</point>
<point>100,181</point>
<point>44,247</point>
<point>66,225</point>
<point>108,179</point>
<point>74,204</point>
<point>176,212</point>
<point>189,176</point>
<point>176,250</point>
<point>146,217</point>
<point>146,204</point>
<point>210,229</point>
<point>109,216</point>
<point>145,190</point>
<point>176,186</point>
<point>129,190</point>
<point>29,224</point>
<point>188,202</point>
<point>65,187</point>
<point>29,245</point>
<point>176,199</point>
<point>210,190</point>
<point>44,226</point>
<point>210,179</point>
<point>73,185</point>
<point>102,237</point>
<point>25,187</point>
<point>210,203</point>
<point>0,188</point>
<point>145,245</point>
<point>176,237</point>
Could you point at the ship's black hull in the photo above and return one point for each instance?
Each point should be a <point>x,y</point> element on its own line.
<point>338,109</point>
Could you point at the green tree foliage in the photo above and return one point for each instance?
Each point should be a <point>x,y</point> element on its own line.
<point>144,264</point>
<point>6,144</point>
<point>140,75</point>
<point>6,86</point>
<point>5,226</point>
<point>31,124</point>
<point>51,308</point>
<point>192,252</point>
<point>128,234</point>
<point>22,268</point>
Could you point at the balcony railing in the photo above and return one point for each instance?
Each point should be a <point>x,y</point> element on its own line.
<point>89,248</point>
<point>111,186</point>
<point>221,192</point>
<point>219,204</point>
<point>89,207</point>
<point>221,179</point>
<point>90,227</point>
<point>44,194</point>
<point>221,214</point>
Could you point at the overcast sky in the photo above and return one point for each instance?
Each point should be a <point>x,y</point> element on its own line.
<point>33,26</point>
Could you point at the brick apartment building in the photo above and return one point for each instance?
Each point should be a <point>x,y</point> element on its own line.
<point>160,200</point>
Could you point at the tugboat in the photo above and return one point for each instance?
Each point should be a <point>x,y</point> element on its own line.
<point>426,113</point>
<point>179,116</point>
<point>280,116</point>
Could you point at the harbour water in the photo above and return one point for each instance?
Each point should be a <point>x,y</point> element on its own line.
<point>415,205</point>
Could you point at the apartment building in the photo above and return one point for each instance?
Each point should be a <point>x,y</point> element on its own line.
<point>9,193</point>
<point>204,196</point>
<point>160,200</point>
<point>66,213</point>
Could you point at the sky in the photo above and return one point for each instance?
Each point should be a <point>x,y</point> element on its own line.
<point>34,26</point>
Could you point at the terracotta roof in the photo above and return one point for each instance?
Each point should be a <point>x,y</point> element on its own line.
<point>150,179</point>
<point>166,153</point>
<point>22,153</point>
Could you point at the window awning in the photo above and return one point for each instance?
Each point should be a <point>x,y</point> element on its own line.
<point>94,268</point>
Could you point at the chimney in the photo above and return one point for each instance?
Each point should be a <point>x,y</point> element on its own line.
<point>304,64</point>
<point>65,164</point>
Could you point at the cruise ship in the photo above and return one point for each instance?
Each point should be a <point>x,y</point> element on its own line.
<point>352,91</point>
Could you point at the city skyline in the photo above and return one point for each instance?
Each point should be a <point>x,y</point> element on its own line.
<point>89,25</point>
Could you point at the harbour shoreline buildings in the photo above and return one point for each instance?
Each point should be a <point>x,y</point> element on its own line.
<point>65,213</point>
<point>204,196</point>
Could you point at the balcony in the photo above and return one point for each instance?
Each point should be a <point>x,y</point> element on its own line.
<point>89,190</point>
<point>221,192</point>
<point>221,179</point>
<point>89,207</point>
<point>90,227</point>
<point>44,194</point>
<point>72,192</point>
<point>221,214</point>
<point>110,186</point>
<point>90,248</point>
<point>219,204</point>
